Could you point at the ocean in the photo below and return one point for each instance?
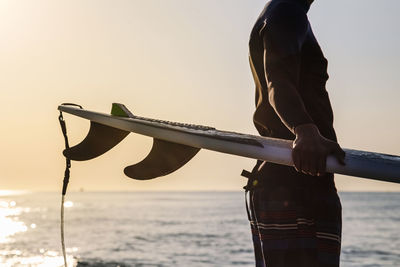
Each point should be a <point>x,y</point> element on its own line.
<point>173,229</point>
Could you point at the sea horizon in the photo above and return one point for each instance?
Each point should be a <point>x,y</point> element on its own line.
<point>20,191</point>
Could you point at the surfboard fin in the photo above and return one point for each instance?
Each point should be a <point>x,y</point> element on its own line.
<point>100,138</point>
<point>164,158</point>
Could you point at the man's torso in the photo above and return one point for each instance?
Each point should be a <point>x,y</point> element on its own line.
<point>310,85</point>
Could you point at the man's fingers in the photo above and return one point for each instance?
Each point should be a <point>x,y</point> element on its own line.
<point>312,160</point>
<point>296,160</point>
<point>313,165</point>
<point>306,163</point>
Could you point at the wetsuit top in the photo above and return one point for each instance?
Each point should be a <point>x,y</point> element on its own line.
<point>290,73</point>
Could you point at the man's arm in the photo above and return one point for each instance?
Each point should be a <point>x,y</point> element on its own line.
<point>283,37</point>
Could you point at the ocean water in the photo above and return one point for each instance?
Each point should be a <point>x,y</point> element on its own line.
<point>173,229</point>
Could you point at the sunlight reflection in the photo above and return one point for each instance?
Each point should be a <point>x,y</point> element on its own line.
<point>44,260</point>
<point>68,204</point>
<point>11,192</point>
<point>10,226</point>
<point>70,250</point>
<point>3,204</point>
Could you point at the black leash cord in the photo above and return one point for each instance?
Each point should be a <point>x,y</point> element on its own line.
<point>66,177</point>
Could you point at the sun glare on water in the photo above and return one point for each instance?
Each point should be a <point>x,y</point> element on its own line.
<point>4,193</point>
<point>68,204</point>
<point>8,225</point>
<point>11,225</point>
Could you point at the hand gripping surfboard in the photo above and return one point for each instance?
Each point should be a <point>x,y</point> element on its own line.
<point>174,144</point>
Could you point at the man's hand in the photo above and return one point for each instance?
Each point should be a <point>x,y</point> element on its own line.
<point>310,150</point>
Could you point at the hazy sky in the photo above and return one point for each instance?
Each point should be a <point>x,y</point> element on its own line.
<point>181,60</point>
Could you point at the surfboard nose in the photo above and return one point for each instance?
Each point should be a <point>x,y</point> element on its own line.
<point>164,158</point>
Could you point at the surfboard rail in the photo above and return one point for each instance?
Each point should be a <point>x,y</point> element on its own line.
<point>362,164</point>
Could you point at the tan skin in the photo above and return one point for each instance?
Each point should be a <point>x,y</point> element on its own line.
<point>310,149</point>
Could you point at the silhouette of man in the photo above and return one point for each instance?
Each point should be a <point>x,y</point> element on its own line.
<point>295,212</point>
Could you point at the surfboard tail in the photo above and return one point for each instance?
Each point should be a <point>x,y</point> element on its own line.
<point>100,138</point>
<point>164,158</point>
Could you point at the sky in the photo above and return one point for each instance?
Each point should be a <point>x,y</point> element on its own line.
<point>179,60</point>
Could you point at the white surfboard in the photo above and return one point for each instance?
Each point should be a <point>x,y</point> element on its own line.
<point>176,143</point>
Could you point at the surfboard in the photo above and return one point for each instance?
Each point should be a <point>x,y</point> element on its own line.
<point>174,144</point>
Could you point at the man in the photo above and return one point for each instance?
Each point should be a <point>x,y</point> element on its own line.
<point>295,212</point>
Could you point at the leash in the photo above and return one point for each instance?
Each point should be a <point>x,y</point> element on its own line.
<point>252,182</point>
<point>66,177</point>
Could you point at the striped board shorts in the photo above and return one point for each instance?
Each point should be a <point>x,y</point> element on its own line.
<point>295,227</point>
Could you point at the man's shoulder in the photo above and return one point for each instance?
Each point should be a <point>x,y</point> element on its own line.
<point>280,19</point>
<point>284,16</point>
<point>282,12</point>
